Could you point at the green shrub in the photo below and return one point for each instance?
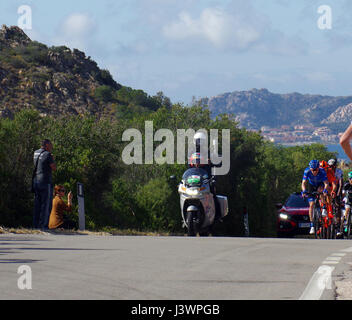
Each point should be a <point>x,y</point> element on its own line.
<point>104,93</point>
<point>18,62</point>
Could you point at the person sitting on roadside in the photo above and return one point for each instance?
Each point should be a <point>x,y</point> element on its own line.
<point>314,180</point>
<point>57,217</point>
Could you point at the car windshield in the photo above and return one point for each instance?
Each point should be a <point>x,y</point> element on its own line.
<point>296,201</point>
<point>195,176</point>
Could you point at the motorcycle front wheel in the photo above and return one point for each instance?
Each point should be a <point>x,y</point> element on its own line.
<point>192,224</point>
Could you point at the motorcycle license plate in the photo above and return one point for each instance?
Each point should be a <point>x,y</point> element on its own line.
<point>304,225</point>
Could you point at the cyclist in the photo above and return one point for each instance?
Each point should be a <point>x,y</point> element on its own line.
<point>347,187</point>
<point>335,177</point>
<point>332,187</point>
<point>314,179</point>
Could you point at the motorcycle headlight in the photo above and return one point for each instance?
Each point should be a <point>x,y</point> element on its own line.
<point>192,192</point>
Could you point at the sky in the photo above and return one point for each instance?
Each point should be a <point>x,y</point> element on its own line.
<point>201,48</point>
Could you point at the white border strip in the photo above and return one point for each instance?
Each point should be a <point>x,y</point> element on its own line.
<point>320,281</point>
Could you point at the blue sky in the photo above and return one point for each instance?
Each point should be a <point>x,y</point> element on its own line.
<point>201,48</point>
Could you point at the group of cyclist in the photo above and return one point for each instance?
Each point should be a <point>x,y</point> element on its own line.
<point>326,179</point>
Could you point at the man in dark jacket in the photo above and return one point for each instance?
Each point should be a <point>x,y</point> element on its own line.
<point>43,185</point>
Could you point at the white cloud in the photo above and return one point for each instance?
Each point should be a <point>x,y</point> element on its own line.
<point>319,76</point>
<point>77,25</point>
<point>215,26</point>
<point>76,31</point>
<point>268,77</point>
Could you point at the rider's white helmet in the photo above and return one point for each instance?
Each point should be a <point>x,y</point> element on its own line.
<point>199,136</point>
<point>332,162</point>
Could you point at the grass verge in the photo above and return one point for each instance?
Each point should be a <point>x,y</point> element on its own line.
<point>107,231</point>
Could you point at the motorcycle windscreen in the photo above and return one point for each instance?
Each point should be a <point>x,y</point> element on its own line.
<point>194,177</point>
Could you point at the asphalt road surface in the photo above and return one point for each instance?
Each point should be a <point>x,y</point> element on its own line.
<point>170,268</point>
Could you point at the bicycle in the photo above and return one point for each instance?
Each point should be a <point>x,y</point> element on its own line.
<point>318,223</point>
<point>334,226</point>
<point>348,225</point>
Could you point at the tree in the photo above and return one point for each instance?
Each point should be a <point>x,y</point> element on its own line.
<point>104,93</point>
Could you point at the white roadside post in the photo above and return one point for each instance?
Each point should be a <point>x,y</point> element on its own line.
<point>81,214</point>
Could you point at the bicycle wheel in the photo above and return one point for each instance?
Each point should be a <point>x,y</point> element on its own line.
<point>334,226</point>
<point>324,232</point>
<point>317,224</point>
<point>333,229</point>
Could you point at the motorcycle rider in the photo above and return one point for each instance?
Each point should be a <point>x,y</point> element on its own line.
<point>197,161</point>
<point>314,179</point>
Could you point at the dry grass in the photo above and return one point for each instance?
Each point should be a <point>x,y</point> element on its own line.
<point>105,232</point>
<point>21,230</point>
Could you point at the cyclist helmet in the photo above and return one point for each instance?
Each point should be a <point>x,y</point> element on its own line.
<point>323,164</point>
<point>350,175</point>
<point>332,163</point>
<point>314,164</point>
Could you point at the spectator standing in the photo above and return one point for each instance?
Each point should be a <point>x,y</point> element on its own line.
<point>43,184</point>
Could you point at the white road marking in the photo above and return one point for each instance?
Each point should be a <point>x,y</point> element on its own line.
<point>338,254</point>
<point>333,258</point>
<point>330,262</point>
<point>320,281</point>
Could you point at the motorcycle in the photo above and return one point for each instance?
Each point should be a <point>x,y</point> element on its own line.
<point>197,202</point>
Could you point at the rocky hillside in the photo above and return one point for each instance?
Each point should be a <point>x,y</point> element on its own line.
<point>257,108</point>
<point>341,115</point>
<point>58,80</point>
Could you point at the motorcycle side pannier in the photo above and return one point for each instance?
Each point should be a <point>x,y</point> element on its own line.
<point>223,205</point>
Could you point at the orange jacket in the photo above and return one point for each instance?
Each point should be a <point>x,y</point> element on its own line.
<point>57,213</point>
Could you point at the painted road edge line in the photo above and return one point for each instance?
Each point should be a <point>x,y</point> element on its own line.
<point>322,279</point>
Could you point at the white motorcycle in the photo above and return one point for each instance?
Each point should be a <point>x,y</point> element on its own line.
<point>197,202</point>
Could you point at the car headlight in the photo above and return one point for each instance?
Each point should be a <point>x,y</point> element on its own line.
<point>193,192</point>
<point>283,216</point>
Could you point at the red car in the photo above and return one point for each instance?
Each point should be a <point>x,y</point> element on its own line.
<point>293,216</point>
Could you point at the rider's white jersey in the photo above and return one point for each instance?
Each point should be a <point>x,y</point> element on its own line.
<point>338,174</point>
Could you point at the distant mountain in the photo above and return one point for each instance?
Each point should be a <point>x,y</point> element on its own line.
<point>259,107</point>
<point>60,81</point>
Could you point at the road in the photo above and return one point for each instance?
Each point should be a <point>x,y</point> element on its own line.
<point>164,268</point>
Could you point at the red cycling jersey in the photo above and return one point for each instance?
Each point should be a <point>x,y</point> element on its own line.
<point>331,175</point>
